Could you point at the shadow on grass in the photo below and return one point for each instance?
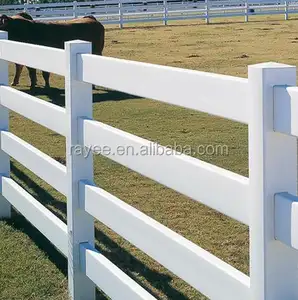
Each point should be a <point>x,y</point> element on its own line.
<point>118,255</point>
<point>57,96</point>
<point>20,223</point>
<point>42,195</point>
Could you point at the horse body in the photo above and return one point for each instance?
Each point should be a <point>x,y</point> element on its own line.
<point>23,28</point>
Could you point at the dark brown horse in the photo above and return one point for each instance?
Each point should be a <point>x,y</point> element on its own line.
<point>22,28</point>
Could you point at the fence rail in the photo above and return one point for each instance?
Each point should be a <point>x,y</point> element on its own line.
<point>40,217</point>
<point>230,197</point>
<point>272,172</point>
<point>123,12</point>
<point>49,115</point>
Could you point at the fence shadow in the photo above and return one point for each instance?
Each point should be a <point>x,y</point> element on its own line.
<point>118,255</point>
<point>42,195</point>
<point>20,223</point>
<point>57,95</point>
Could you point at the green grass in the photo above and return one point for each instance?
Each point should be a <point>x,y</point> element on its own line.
<point>32,269</point>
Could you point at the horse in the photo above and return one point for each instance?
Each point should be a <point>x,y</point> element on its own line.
<point>18,67</point>
<point>22,28</point>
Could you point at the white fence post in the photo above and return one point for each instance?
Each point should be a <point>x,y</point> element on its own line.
<point>80,225</point>
<point>273,169</point>
<point>286,10</point>
<point>5,207</point>
<point>207,11</point>
<point>246,10</point>
<point>165,22</point>
<point>120,14</point>
<point>75,11</point>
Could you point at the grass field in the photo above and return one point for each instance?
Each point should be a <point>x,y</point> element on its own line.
<point>32,269</point>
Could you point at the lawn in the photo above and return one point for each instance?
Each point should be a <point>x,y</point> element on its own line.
<point>32,269</point>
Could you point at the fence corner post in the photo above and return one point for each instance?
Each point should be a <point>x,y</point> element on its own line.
<point>5,206</point>
<point>272,169</point>
<point>80,225</point>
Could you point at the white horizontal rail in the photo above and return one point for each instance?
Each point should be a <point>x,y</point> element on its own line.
<point>39,216</point>
<point>226,15</point>
<point>103,2</point>
<point>53,13</point>
<point>222,4</point>
<point>286,219</point>
<point>218,188</point>
<point>195,12</point>
<point>222,8</point>
<point>280,6</point>
<point>10,7</point>
<point>193,264</point>
<point>285,110</point>
<point>228,8</point>
<point>42,112</point>
<point>108,277</point>
<point>184,10</point>
<point>50,5</point>
<point>181,18</point>
<point>168,84</point>
<point>147,7</point>
<point>151,17</point>
<point>97,10</point>
<point>10,51</point>
<point>145,13</point>
<point>36,161</point>
<point>54,18</point>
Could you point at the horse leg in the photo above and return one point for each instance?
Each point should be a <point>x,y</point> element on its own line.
<point>17,75</point>
<point>32,75</point>
<point>46,77</point>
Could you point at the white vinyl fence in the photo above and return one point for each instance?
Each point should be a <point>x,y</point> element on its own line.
<point>135,11</point>
<point>267,101</point>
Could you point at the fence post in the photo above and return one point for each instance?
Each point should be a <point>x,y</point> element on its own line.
<point>120,14</point>
<point>273,169</point>
<point>5,207</point>
<point>80,225</point>
<point>165,22</point>
<point>286,10</point>
<point>246,10</point>
<point>207,11</point>
<point>75,12</point>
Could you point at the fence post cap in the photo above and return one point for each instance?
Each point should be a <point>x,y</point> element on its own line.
<point>272,65</point>
<point>77,42</point>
